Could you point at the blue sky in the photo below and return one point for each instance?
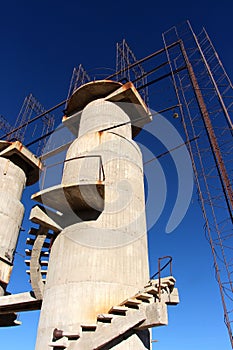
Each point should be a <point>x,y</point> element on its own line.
<point>41,42</point>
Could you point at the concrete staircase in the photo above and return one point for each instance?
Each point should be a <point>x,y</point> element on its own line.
<point>44,254</point>
<point>40,241</point>
<point>146,309</point>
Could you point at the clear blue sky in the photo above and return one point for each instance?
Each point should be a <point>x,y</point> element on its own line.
<point>41,42</point>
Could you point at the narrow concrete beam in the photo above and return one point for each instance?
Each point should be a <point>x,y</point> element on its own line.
<point>19,303</point>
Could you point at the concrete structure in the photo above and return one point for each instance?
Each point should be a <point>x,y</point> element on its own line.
<point>101,259</point>
<point>18,167</point>
<point>89,258</point>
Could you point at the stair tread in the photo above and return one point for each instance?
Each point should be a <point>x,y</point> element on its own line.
<point>43,272</point>
<point>34,233</point>
<point>28,252</point>
<point>152,290</point>
<point>168,279</point>
<point>144,296</point>
<point>131,301</point>
<point>118,308</point>
<point>31,241</point>
<point>88,326</point>
<point>105,316</point>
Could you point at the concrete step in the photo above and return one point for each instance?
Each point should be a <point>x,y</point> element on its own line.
<point>118,310</point>
<point>28,252</point>
<point>131,302</point>
<point>43,280</point>
<point>27,262</point>
<point>105,333</point>
<point>31,242</point>
<point>88,327</point>
<point>105,318</point>
<point>42,262</point>
<point>152,290</point>
<point>43,272</point>
<point>33,232</point>
<point>141,311</point>
<point>145,297</point>
<point>168,279</point>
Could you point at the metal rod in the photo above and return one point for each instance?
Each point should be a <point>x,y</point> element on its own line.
<point>225,182</point>
<point>43,136</point>
<point>162,77</point>
<point>210,239</point>
<point>225,111</point>
<point>202,200</point>
<point>167,263</point>
<point>151,71</point>
<point>75,158</point>
<point>142,60</point>
<point>220,62</point>
<point>35,118</point>
<point>138,119</point>
<point>109,128</point>
<point>171,150</point>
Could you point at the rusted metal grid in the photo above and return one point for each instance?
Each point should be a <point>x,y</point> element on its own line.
<point>205,95</point>
<point>27,127</point>
<point>124,58</point>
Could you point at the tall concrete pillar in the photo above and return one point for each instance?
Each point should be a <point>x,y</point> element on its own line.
<point>18,167</point>
<point>102,258</point>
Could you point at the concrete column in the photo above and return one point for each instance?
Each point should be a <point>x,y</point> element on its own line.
<point>96,264</point>
<point>18,168</point>
<point>12,182</point>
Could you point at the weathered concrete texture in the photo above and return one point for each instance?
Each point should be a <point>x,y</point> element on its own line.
<point>96,116</point>
<point>126,323</point>
<point>23,158</point>
<point>18,167</point>
<point>126,96</point>
<point>105,333</point>
<point>89,92</point>
<point>11,211</point>
<point>12,182</point>
<point>95,264</point>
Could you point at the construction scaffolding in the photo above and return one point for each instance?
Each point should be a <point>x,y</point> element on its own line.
<point>31,106</point>
<point>124,58</point>
<point>205,96</point>
<point>5,126</point>
<point>79,77</point>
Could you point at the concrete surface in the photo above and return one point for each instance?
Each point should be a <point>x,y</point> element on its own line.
<point>18,168</point>
<point>95,264</point>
